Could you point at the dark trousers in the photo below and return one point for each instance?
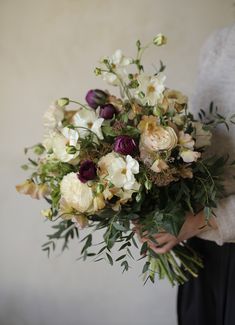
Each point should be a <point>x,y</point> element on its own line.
<point>209,299</point>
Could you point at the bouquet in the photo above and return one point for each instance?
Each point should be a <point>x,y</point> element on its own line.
<point>112,162</point>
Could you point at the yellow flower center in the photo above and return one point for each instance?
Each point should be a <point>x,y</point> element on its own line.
<point>151,89</point>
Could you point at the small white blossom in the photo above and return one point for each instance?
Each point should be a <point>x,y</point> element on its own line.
<point>53,116</point>
<point>87,119</point>
<point>150,89</point>
<point>60,143</point>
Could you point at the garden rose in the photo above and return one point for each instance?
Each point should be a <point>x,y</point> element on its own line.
<point>160,138</point>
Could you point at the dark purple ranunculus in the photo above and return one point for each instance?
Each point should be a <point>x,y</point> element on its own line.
<point>96,97</point>
<point>107,111</point>
<point>125,145</point>
<point>87,171</point>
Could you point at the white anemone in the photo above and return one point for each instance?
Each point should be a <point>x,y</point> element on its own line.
<point>87,119</point>
<point>150,89</point>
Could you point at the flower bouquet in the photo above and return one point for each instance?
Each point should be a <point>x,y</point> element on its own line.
<point>111,162</point>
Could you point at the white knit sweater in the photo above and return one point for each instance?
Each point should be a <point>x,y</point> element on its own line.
<point>216,82</point>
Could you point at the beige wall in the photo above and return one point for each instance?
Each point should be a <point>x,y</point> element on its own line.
<point>48,49</point>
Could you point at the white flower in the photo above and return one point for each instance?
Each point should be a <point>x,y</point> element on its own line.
<point>120,171</point>
<point>77,195</point>
<point>189,155</point>
<point>60,143</point>
<point>111,78</point>
<point>118,62</point>
<point>202,136</point>
<point>53,116</point>
<point>88,119</point>
<point>186,140</point>
<point>150,89</point>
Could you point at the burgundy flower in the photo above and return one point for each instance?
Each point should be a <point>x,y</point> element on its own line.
<point>125,145</point>
<point>87,171</point>
<point>107,111</point>
<point>96,97</point>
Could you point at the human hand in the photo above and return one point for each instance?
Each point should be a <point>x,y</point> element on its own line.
<point>193,225</point>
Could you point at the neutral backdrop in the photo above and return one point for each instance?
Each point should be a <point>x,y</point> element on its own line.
<point>48,49</point>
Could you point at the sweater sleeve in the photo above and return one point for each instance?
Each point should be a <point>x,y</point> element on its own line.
<point>210,57</point>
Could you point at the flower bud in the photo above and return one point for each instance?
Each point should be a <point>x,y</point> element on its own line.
<point>96,97</point>
<point>47,213</point>
<point>99,188</point>
<point>71,150</point>
<point>63,101</point>
<point>160,40</point>
<point>148,184</point>
<point>97,71</point>
<point>107,111</point>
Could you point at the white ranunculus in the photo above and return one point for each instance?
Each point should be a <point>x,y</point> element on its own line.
<point>77,195</point>
<point>87,119</point>
<point>60,143</point>
<point>202,136</point>
<point>189,156</point>
<point>53,116</point>
<point>150,89</point>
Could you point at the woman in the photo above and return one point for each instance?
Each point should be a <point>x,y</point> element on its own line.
<point>210,298</point>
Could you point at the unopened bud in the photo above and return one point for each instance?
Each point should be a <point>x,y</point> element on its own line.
<point>160,40</point>
<point>148,184</point>
<point>99,188</point>
<point>63,101</point>
<point>71,150</point>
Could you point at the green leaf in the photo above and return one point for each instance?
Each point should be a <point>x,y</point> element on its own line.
<point>119,227</point>
<point>120,257</point>
<point>110,259</point>
<point>146,267</point>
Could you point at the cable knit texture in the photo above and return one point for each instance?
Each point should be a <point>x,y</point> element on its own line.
<point>216,82</point>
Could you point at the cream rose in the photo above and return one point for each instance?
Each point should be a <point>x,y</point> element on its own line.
<point>160,138</point>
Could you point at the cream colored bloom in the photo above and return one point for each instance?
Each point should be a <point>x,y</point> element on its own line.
<point>202,136</point>
<point>77,195</point>
<point>118,63</point>
<point>36,191</point>
<point>88,119</point>
<point>160,138</point>
<point>60,143</point>
<point>53,116</point>
<point>119,171</point>
<point>150,89</point>
<point>189,155</point>
<point>186,140</point>
<point>159,165</point>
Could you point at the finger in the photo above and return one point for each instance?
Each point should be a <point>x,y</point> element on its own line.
<point>164,249</point>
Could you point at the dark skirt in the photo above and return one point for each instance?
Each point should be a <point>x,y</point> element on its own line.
<point>210,298</point>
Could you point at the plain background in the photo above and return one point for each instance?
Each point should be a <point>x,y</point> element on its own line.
<point>48,49</point>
